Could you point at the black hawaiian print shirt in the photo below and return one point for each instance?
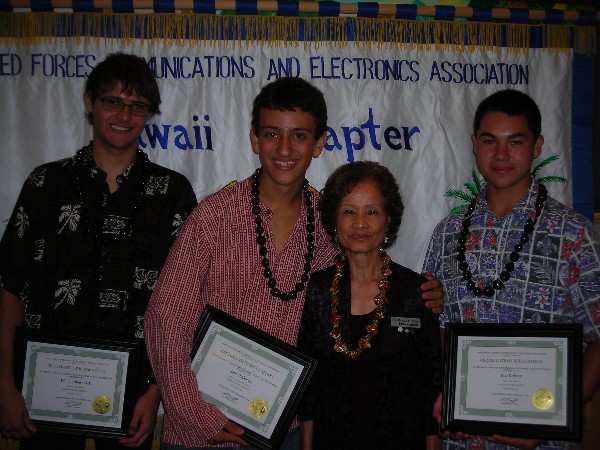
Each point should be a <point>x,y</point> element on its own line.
<point>70,255</point>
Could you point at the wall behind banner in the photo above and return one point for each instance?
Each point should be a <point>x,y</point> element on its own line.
<point>411,111</point>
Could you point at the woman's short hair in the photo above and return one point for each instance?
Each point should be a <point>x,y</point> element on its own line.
<point>345,178</point>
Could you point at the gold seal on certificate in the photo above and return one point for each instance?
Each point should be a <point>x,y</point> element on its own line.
<point>258,408</point>
<point>542,399</point>
<point>101,404</point>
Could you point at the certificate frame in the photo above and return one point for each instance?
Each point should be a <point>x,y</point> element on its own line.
<point>234,361</point>
<point>96,380</point>
<point>503,364</point>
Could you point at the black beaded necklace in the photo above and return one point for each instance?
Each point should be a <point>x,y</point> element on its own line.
<point>101,236</point>
<point>261,240</point>
<point>498,284</point>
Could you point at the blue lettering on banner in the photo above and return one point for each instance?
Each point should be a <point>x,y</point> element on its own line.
<point>290,67</point>
<point>199,138</point>
<point>202,67</point>
<point>61,66</point>
<point>363,69</point>
<point>479,73</point>
<point>315,67</point>
<point>354,138</point>
<point>10,64</point>
<point>351,139</point>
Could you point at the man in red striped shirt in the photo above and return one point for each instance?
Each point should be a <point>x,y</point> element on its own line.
<point>248,250</point>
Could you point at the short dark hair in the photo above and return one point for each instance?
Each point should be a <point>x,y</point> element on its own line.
<point>512,103</point>
<point>345,178</point>
<point>131,71</point>
<point>289,94</point>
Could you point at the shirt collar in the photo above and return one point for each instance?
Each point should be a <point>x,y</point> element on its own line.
<point>523,207</point>
<point>90,167</point>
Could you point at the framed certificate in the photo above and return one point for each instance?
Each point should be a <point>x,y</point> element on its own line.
<point>518,380</point>
<point>77,385</point>
<point>255,379</point>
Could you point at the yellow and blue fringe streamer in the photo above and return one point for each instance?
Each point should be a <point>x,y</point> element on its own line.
<point>189,28</point>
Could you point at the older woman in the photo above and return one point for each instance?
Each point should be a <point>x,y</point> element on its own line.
<point>377,345</point>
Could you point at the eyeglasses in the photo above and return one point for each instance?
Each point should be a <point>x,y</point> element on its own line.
<point>117,105</point>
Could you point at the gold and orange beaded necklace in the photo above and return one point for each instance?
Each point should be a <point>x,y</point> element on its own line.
<point>380,299</point>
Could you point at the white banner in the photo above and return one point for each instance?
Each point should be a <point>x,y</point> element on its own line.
<point>409,110</point>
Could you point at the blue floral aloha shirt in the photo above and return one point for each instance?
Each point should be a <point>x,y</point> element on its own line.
<point>556,279</point>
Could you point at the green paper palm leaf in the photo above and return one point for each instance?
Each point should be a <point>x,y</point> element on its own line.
<point>458,209</point>
<point>544,163</point>
<point>455,193</point>
<point>552,179</point>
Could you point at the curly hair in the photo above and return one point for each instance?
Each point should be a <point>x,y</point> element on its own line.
<point>343,180</point>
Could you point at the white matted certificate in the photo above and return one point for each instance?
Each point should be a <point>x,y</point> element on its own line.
<point>518,380</point>
<point>255,379</point>
<point>77,385</point>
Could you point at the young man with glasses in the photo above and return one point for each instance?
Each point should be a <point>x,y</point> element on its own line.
<point>85,244</point>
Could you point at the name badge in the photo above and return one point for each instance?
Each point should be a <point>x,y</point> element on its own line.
<point>403,323</point>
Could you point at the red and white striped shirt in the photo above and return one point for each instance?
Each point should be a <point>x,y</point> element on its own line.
<point>215,260</point>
